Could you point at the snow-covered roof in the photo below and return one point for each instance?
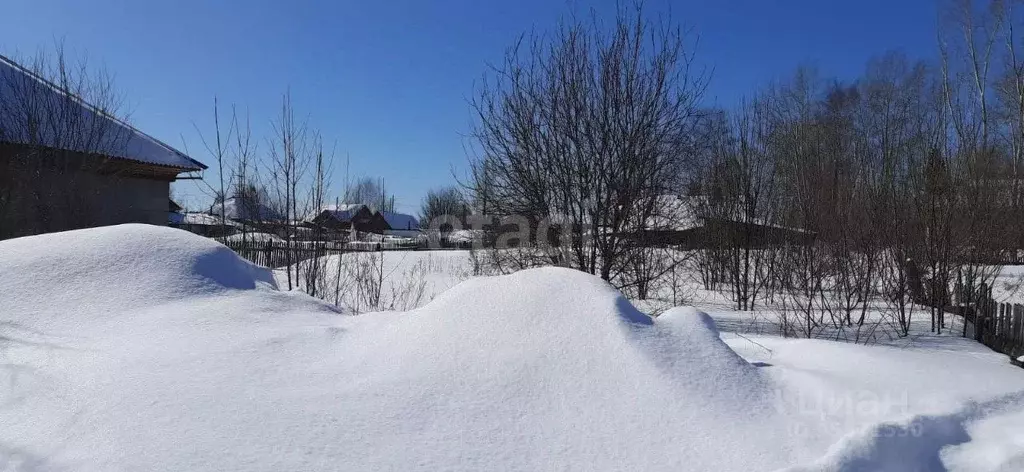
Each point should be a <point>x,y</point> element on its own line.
<point>681,213</point>
<point>344,212</point>
<point>674,213</point>
<point>84,128</point>
<point>400,221</point>
<point>234,208</point>
<point>198,219</point>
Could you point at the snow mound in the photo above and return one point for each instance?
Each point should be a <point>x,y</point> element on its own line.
<point>934,442</point>
<point>546,369</point>
<point>552,369</point>
<point>116,267</point>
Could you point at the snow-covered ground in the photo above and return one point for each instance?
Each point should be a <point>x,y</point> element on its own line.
<point>359,282</point>
<point>410,279</point>
<point>145,348</point>
<point>1008,286</point>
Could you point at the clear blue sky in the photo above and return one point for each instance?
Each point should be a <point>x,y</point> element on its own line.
<point>388,80</point>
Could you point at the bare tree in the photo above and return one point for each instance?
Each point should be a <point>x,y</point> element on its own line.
<point>974,78</point>
<point>901,120</point>
<point>967,39</point>
<point>582,132</point>
<point>218,149</point>
<point>289,159</point>
<point>739,198</point>
<point>1009,95</point>
<point>315,265</point>
<point>441,202</point>
<point>370,192</point>
<point>246,189</point>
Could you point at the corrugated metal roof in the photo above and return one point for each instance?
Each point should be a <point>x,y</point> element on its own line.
<point>84,128</point>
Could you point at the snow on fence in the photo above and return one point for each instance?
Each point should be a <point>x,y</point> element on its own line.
<point>1002,327</point>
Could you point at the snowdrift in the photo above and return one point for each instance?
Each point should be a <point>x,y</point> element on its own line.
<point>118,267</point>
<point>142,348</point>
<point>552,369</point>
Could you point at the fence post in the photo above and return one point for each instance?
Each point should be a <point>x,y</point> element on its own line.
<point>1001,310</point>
<point>1005,339</point>
<point>992,311</point>
<point>1007,323</point>
<point>1017,333</point>
<point>1018,311</point>
<point>1004,313</point>
<point>1001,325</point>
<point>981,319</point>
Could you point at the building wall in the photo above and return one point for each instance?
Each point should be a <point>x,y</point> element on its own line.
<point>132,200</point>
<point>46,193</point>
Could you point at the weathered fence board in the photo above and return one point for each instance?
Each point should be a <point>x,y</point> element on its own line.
<point>276,254</point>
<point>1018,312</point>
<point>1002,327</point>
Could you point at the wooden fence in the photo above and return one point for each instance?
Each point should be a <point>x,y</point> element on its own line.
<point>1007,257</point>
<point>1000,326</point>
<point>383,245</point>
<point>276,253</point>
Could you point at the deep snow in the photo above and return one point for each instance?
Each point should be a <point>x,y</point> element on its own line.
<point>955,405</point>
<point>409,280</point>
<point>144,348</point>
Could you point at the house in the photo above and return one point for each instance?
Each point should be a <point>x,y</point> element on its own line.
<point>401,224</point>
<point>697,223</point>
<point>352,217</point>
<point>66,164</point>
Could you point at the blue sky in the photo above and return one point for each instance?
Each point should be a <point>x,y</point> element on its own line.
<point>388,81</point>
